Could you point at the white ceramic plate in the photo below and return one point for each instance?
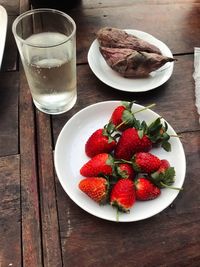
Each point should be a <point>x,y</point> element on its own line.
<point>110,77</point>
<point>3,29</point>
<point>70,156</point>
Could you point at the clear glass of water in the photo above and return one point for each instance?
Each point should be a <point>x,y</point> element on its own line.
<point>46,40</point>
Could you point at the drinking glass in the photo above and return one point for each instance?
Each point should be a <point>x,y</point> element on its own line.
<point>46,40</point>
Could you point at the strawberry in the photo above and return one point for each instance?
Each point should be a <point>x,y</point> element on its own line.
<point>99,142</point>
<point>130,142</point>
<point>145,190</point>
<point>164,176</point>
<point>164,165</point>
<point>122,116</point>
<point>101,164</point>
<point>141,138</point>
<point>157,133</point>
<point>145,162</point>
<point>125,170</point>
<point>96,188</point>
<point>123,195</point>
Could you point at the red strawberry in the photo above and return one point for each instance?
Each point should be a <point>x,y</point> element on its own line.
<point>164,176</point>
<point>123,195</point>
<point>145,190</point>
<point>130,143</point>
<point>157,133</point>
<point>99,142</point>
<point>96,188</point>
<point>117,115</point>
<point>164,165</point>
<point>125,170</point>
<point>123,117</point>
<point>141,138</point>
<point>101,164</point>
<point>145,162</point>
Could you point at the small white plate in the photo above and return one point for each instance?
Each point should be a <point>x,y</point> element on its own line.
<point>70,156</point>
<point>110,77</point>
<point>3,30</point>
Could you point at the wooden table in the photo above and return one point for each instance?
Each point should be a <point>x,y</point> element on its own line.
<point>39,224</point>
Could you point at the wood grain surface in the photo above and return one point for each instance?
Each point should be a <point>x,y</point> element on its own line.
<point>31,223</point>
<point>10,214</point>
<point>179,36</point>
<point>9,91</point>
<point>48,205</point>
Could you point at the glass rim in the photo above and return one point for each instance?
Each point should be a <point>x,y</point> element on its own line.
<point>42,10</point>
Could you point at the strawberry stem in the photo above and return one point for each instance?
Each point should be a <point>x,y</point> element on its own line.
<point>174,135</point>
<point>124,122</point>
<point>170,187</point>
<point>150,106</point>
<point>119,125</point>
<point>123,161</point>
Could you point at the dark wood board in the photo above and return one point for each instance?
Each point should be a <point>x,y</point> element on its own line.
<point>31,223</point>
<point>119,3</point>
<point>10,214</point>
<point>12,7</point>
<point>9,87</point>
<point>48,205</point>
<point>179,33</point>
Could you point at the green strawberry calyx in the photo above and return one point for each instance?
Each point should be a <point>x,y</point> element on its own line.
<point>105,198</point>
<point>127,104</point>
<point>108,130</point>
<point>121,173</point>
<point>119,207</point>
<point>110,162</point>
<point>156,132</point>
<point>164,179</point>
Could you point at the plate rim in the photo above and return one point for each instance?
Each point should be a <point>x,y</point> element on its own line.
<point>71,195</point>
<point>117,87</point>
<point>4,23</point>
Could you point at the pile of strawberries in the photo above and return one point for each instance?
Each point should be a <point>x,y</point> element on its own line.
<point>121,169</point>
